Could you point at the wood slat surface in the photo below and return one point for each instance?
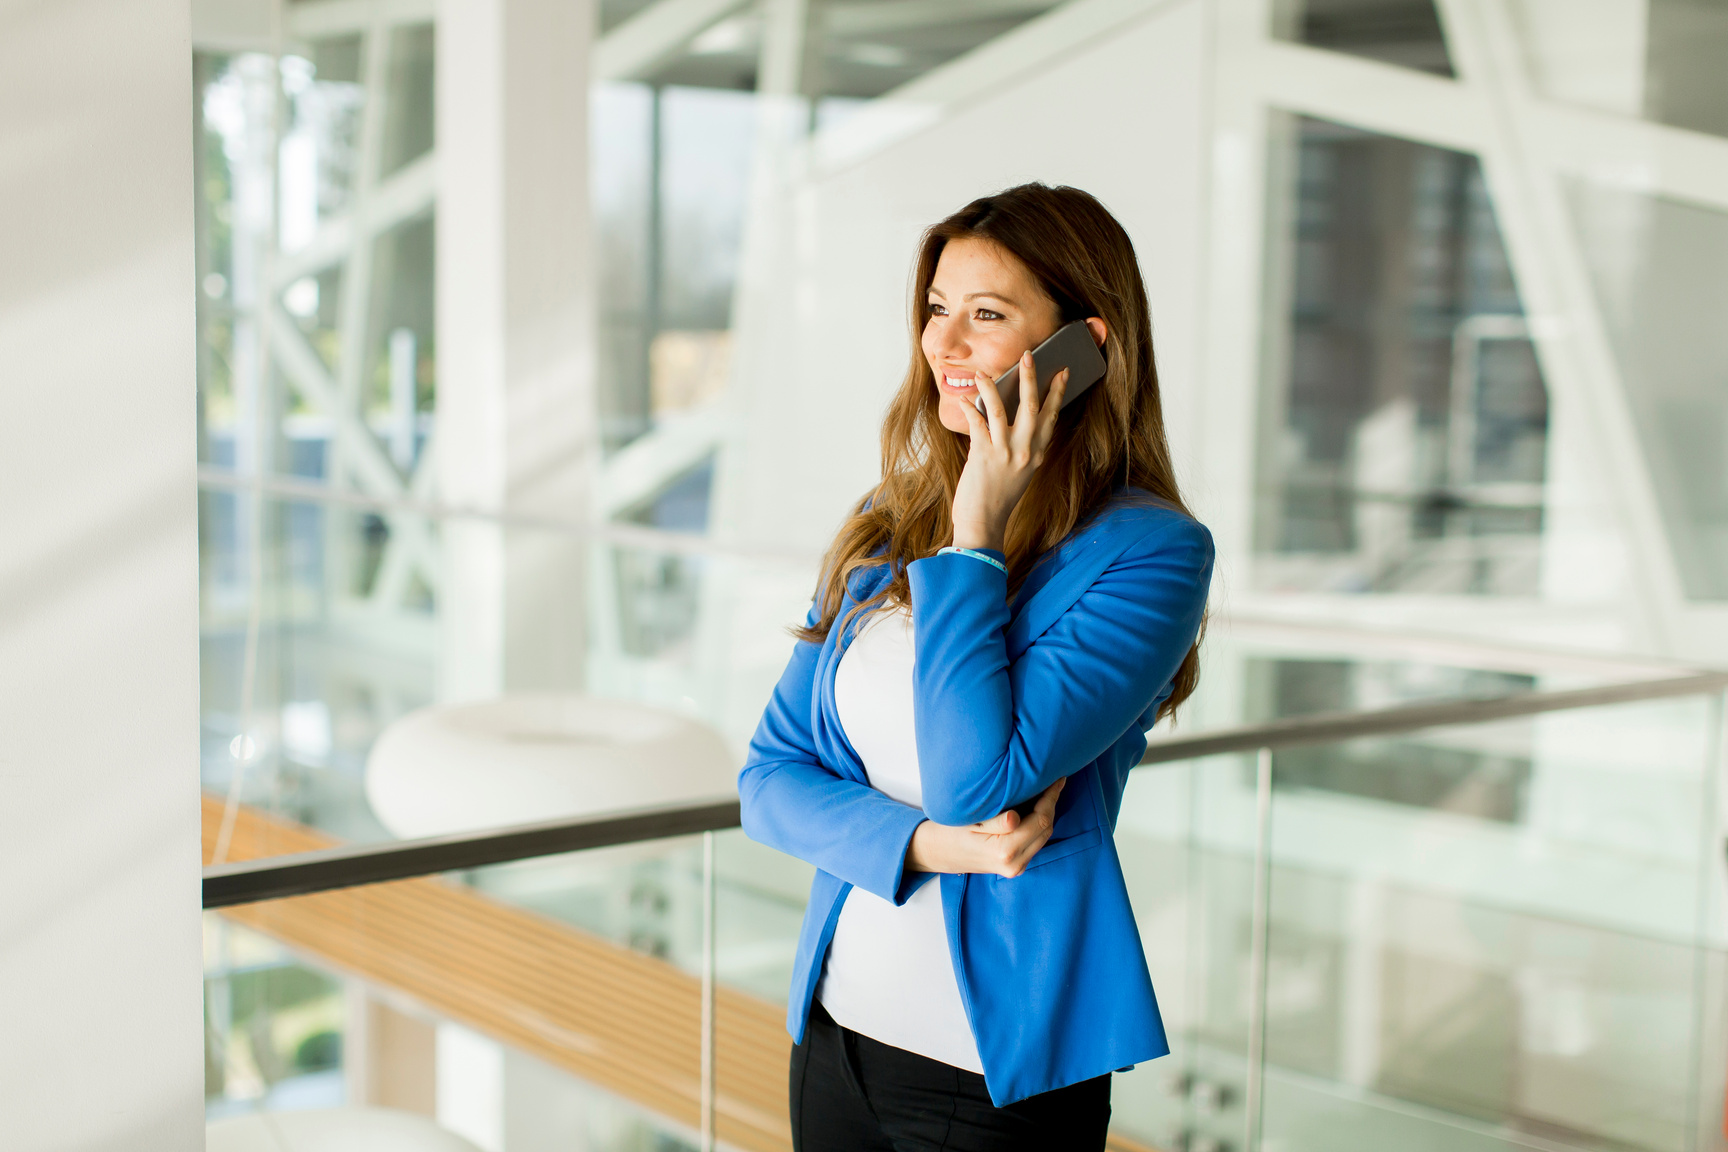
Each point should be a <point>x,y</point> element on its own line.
<point>625,1021</point>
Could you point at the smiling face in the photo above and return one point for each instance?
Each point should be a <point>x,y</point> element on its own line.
<point>985,309</point>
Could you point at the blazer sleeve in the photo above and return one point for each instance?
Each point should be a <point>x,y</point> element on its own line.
<point>993,734</point>
<point>793,802</point>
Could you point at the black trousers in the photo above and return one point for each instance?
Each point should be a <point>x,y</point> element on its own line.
<point>854,1094</point>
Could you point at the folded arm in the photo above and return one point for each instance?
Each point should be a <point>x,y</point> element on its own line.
<point>992,735</point>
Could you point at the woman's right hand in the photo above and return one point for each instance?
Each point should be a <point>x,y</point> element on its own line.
<point>1002,845</point>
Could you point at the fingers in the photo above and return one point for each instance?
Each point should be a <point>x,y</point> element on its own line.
<point>999,825</point>
<point>1028,413</point>
<point>993,404</point>
<point>1016,849</point>
<point>1046,427</point>
<point>975,423</point>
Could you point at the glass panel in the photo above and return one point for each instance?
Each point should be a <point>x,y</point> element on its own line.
<point>1660,269</point>
<point>537,1005</point>
<point>1518,954</point>
<point>408,102</point>
<point>280,157</point>
<point>1659,59</point>
<point>400,372</point>
<point>1402,32</point>
<point>308,658</point>
<point>319,153</point>
<point>1186,840</point>
<point>671,181</point>
<point>623,151</point>
<point>672,153</point>
<point>329,633</point>
<point>762,894</point>
<point>1404,435</point>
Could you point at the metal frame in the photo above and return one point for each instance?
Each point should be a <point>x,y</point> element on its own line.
<point>299,874</point>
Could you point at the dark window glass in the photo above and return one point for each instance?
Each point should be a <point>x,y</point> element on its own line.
<point>1402,32</point>
<point>1405,434</point>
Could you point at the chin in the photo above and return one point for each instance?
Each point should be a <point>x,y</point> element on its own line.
<point>953,419</point>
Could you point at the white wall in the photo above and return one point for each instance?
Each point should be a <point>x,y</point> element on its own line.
<point>99,925</point>
<point>1120,117</point>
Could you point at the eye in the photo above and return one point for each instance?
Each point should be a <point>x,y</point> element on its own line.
<point>937,309</point>
<point>987,314</point>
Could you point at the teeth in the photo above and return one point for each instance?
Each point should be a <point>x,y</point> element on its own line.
<point>959,381</point>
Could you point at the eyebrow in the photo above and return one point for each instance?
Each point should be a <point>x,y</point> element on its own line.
<point>935,291</point>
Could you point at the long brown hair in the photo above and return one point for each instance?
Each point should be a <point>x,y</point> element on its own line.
<point>1111,438</point>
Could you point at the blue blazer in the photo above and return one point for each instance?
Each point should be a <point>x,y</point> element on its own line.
<point>1063,681</point>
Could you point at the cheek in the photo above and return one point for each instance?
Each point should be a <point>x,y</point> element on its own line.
<point>997,350</point>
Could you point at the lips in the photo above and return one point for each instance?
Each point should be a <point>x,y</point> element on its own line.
<point>959,384</point>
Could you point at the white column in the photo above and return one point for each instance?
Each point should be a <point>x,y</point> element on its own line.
<point>100,989</point>
<point>515,329</point>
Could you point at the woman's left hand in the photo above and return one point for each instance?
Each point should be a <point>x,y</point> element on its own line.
<point>1003,457</point>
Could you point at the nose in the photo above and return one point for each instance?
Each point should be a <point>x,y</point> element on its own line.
<point>950,340</point>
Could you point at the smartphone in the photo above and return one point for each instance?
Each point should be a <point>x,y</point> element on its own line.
<point>1072,348</point>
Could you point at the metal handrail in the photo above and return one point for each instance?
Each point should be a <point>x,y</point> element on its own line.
<point>1331,727</point>
<point>302,873</point>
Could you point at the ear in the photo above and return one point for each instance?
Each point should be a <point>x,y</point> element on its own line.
<point>1096,326</point>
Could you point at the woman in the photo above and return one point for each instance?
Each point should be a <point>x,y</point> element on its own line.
<point>1000,621</point>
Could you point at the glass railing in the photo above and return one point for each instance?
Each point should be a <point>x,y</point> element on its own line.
<point>1500,935</point>
<point>1479,923</point>
<point>557,1002</point>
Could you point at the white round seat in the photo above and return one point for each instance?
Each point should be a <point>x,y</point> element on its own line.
<point>538,756</point>
<point>332,1130</point>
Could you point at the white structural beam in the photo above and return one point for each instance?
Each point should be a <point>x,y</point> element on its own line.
<point>515,336</point>
<point>642,470</point>
<point>1367,94</point>
<point>1636,155</point>
<point>656,34</point>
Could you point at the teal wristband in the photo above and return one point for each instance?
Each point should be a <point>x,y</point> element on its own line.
<point>990,560</point>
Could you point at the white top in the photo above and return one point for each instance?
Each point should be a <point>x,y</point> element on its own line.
<point>889,975</point>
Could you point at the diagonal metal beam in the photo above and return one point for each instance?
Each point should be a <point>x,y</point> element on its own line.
<point>410,542</point>
<point>406,193</point>
<point>306,372</point>
<point>656,34</point>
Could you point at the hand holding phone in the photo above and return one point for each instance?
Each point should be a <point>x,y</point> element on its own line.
<point>1073,348</point>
